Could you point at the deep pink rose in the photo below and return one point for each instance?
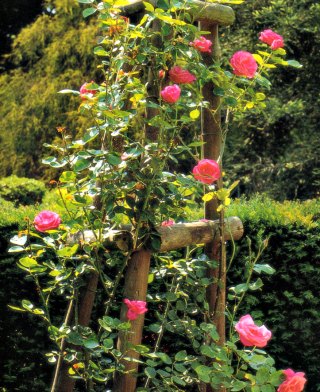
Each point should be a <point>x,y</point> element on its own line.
<point>250,334</point>
<point>202,44</point>
<point>168,222</point>
<point>171,94</point>
<point>274,40</point>
<point>180,76</point>
<point>135,308</point>
<point>84,91</point>
<point>46,220</point>
<point>244,64</point>
<point>294,381</point>
<point>207,171</point>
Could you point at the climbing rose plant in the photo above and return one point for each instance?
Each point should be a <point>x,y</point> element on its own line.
<point>149,94</point>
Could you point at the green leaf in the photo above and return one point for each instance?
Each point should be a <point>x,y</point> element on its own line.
<point>68,251</point>
<point>100,51</point>
<point>208,351</point>
<point>238,386</point>
<point>294,64</point>
<point>150,372</point>
<point>16,249</point>
<point>256,285</point>
<point>19,240</point>
<point>113,159</point>
<point>88,11</point>
<point>203,373</point>
<point>86,1</point>
<point>68,91</point>
<point>16,308</point>
<point>81,164</point>
<point>266,268</point>
<point>27,262</point>
<point>148,6</point>
<point>91,343</point>
<point>181,355</point>
<point>262,375</point>
<point>67,176</point>
<point>276,378</point>
<point>230,101</point>
<point>179,381</point>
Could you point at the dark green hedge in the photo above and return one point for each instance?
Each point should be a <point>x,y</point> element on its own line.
<point>289,302</point>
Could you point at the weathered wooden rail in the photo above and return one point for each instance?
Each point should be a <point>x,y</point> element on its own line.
<point>213,233</point>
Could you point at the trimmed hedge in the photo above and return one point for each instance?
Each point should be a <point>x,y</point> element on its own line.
<point>22,191</point>
<point>289,302</point>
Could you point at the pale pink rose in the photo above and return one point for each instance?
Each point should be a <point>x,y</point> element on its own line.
<point>181,76</point>
<point>207,171</point>
<point>46,220</point>
<point>204,220</point>
<point>294,381</point>
<point>171,94</point>
<point>250,334</point>
<point>244,64</point>
<point>135,308</point>
<point>168,222</point>
<point>84,91</point>
<point>274,40</point>
<point>202,44</point>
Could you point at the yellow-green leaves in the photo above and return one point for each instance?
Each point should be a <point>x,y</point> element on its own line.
<point>194,114</point>
<point>223,195</point>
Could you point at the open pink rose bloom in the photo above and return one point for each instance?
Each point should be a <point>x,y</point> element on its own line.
<point>135,308</point>
<point>181,76</point>
<point>46,220</point>
<point>171,94</point>
<point>202,44</point>
<point>274,40</point>
<point>294,381</point>
<point>207,171</point>
<point>250,334</point>
<point>244,64</point>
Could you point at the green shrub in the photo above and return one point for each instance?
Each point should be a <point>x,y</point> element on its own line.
<point>22,191</point>
<point>289,302</point>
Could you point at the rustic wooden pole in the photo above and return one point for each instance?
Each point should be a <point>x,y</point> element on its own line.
<point>64,383</point>
<point>172,237</point>
<point>136,283</point>
<point>212,136</point>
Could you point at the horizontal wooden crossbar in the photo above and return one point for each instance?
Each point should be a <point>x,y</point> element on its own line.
<point>199,10</point>
<point>172,237</point>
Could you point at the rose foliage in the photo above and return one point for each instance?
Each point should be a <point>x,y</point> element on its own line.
<point>119,172</point>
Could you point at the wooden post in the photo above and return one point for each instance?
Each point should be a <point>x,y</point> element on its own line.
<point>62,382</point>
<point>136,283</point>
<point>212,136</point>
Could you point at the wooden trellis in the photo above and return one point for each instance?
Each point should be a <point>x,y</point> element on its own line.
<point>213,233</point>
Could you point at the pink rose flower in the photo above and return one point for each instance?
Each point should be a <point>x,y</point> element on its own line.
<point>179,75</point>
<point>168,222</point>
<point>294,381</point>
<point>171,94</point>
<point>84,91</point>
<point>202,44</point>
<point>250,334</point>
<point>207,171</point>
<point>204,220</point>
<point>244,64</point>
<point>274,40</point>
<point>135,308</point>
<point>46,220</point>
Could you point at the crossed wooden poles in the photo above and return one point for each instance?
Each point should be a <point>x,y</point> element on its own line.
<point>213,233</point>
